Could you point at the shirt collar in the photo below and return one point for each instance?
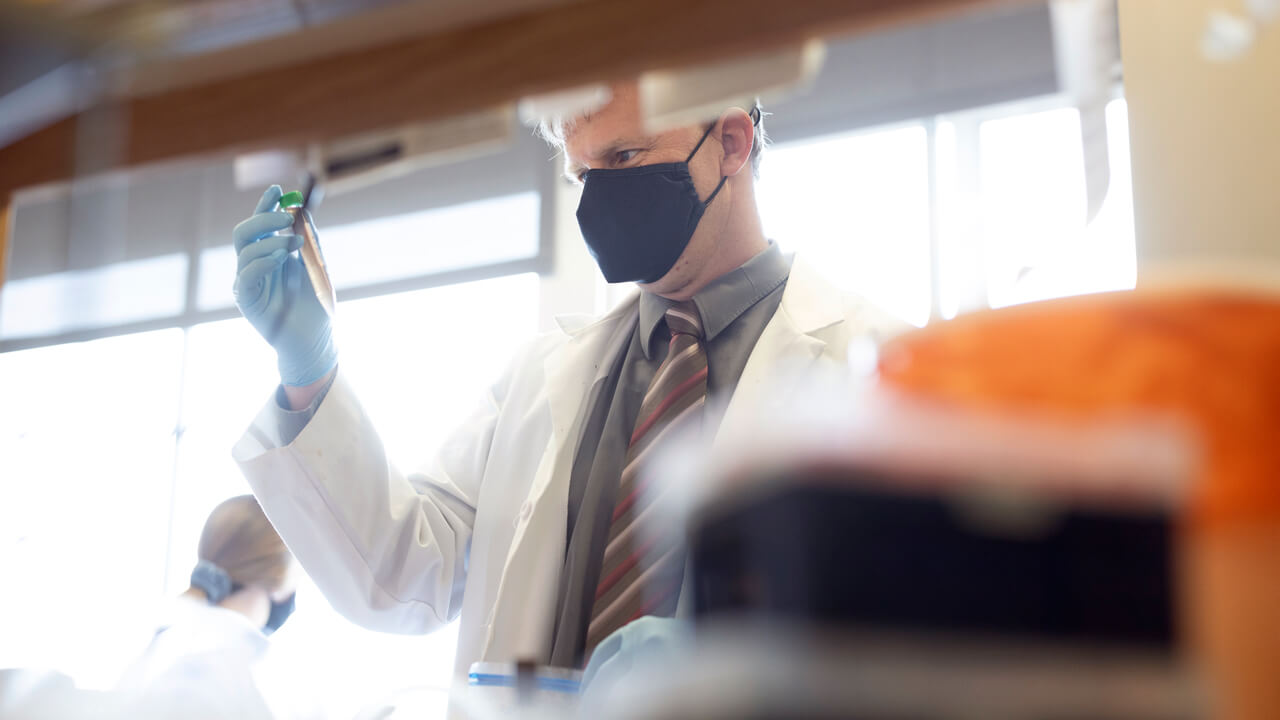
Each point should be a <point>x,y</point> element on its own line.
<point>722,301</point>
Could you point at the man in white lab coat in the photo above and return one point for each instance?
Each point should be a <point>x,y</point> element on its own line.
<point>521,525</point>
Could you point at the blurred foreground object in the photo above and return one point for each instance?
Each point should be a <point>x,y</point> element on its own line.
<point>1195,202</point>
<point>1228,37</point>
<point>673,98</point>
<point>499,690</point>
<point>1209,358</point>
<point>1064,509</point>
<point>860,554</point>
<point>749,672</point>
<point>494,691</point>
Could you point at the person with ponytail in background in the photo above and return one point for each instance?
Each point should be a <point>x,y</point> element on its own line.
<point>204,664</point>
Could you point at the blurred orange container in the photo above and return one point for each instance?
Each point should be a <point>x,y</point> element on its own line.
<point>1209,358</point>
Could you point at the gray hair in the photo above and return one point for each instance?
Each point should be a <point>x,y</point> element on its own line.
<point>553,130</point>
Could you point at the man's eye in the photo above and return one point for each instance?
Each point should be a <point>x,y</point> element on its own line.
<point>624,156</point>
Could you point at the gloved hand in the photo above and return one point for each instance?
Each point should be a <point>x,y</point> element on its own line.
<point>640,642</point>
<point>274,294</point>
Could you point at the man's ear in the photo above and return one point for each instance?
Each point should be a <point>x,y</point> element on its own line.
<point>737,133</point>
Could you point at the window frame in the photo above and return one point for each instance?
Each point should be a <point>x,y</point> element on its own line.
<point>523,149</point>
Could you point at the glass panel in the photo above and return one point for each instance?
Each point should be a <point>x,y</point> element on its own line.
<point>216,276</point>
<point>857,207</point>
<point>111,295</point>
<point>86,453</point>
<point>438,348</point>
<point>960,283</point>
<point>230,373</point>
<point>404,246</point>
<point>1036,243</point>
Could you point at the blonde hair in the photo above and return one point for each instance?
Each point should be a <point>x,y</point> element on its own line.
<point>238,538</point>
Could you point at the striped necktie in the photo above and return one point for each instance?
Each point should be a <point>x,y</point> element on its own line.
<point>642,571</point>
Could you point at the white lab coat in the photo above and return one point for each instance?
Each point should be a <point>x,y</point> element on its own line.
<point>482,530</point>
<point>204,664</point>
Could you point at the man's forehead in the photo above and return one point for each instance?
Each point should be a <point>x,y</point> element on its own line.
<point>608,122</point>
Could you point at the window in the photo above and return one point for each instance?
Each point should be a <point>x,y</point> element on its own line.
<point>112,295</point>
<point>437,348</point>
<point>1035,241</point>
<point>86,457</point>
<point>857,204</point>
<point>404,246</point>
<point>229,373</point>
<point>995,217</point>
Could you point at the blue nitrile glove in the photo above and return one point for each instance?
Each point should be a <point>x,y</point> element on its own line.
<point>644,640</point>
<point>274,294</point>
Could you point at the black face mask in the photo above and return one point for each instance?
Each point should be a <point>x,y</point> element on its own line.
<point>637,221</point>
<point>280,611</point>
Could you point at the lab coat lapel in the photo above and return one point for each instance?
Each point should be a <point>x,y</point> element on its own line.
<point>788,346</point>
<point>579,364</point>
<point>523,613</point>
<point>526,598</point>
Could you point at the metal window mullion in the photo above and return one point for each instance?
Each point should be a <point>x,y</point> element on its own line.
<point>532,264</point>
<point>935,229</point>
<point>179,429</point>
<point>969,175</point>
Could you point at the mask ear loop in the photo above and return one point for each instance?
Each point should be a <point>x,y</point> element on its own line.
<point>706,133</point>
<point>715,192</point>
<point>723,178</point>
<point>755,121</point>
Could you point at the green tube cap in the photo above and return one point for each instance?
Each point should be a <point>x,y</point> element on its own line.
<point>291,199</point>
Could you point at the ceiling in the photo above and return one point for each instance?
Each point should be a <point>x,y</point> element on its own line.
<point>39,38</point>
<point>161,79</point>
<point>129,29</point>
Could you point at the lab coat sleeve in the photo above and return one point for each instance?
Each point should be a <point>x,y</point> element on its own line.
<point>388,550</point>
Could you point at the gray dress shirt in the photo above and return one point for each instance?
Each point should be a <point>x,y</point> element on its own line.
<point>289,423</point>
<point>735,309</point>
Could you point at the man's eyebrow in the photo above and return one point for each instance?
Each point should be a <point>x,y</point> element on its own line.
<point>610,149</point>
<point>626,143</point>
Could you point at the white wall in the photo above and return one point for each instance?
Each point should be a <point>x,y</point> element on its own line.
<point>1205,138</point>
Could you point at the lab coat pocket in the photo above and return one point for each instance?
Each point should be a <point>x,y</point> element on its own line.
<point>525,597</point>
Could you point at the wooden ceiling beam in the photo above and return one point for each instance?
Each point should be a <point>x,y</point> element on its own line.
<point>451,72</point>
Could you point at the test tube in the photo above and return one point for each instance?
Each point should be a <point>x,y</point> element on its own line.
<point>312,258</point>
